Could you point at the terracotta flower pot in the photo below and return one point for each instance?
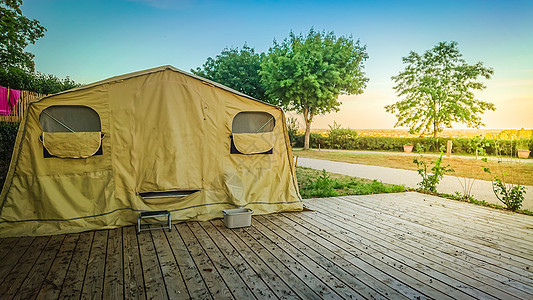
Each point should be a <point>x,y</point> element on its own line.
<point>523,153</point>
<point>408,149</point>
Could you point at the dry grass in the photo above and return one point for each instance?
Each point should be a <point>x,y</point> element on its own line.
<point>514,170</point>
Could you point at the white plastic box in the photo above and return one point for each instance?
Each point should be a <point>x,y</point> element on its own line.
<point>238,217</point>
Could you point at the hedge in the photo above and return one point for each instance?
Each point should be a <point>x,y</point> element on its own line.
<point>460,145</point>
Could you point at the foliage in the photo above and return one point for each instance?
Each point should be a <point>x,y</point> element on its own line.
<point>460,145</point>
<point>430,180</point>
<point>8,135</point>
<point>341,138</point>
<point>322,186</point>
<point>292,129</point>
<point>474,145</point>
<point>237,69</point>
<point>313,183</point>
<point>308,73</point>
<point>19,79</point>
<point>16,33</point>
<point>510,195</point>
<point>438,89</point>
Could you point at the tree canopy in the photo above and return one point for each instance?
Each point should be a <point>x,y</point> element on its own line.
<point>308,73</point>
<point>16,33</point>
<point>16,78</point>
<point>237,69</point>
<point>438,88</point>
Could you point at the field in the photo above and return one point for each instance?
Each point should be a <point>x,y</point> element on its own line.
<point>517,171</point>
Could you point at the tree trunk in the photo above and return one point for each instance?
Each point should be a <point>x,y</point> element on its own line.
<point>308,119</point>
<point>307,134</point>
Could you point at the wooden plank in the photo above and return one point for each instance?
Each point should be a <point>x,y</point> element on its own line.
<point>253,280</point>
<point>420,244</point>
<point>56,275</point>
<point>6,244</point>
<point>214,282</point>
<point>31,285</point>
<point>234,282</point>
<point>263,268</point>
<point>12,258</point>
<point>16,276</point>
<point>133,273</point>
<point>348,267</point>
<point>280,266</point>
<point>395,266</point>
<point>309,273</point>
<point>114,266</point>
<point>484,253</point>
<point>174,283</point>
<point>462,223</point>
<point>502,217</point>
<point>153,278</point>
<point>417,265</point>
<point>193,280</point>
<point>336,279</point>
<point>304,283</point>
<point>73,284</point>
<point>462,226</point>
<point>94,275</point>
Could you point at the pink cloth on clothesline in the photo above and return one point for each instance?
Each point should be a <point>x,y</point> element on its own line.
<point>8,106</point>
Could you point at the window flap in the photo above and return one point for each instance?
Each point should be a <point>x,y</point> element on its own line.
<point>72,144</point>
<point>253,143</point>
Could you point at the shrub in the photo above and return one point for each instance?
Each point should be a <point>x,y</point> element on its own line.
<point>430,180</point>
<point>341,138</point>
<point>8,135</point>
<point>292,130</point>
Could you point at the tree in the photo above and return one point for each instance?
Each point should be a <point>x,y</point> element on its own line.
<point>237,69</point>
<point>37,82</point>
<point>438,89</point>
<point>308,73</point>
<point>16,33</point>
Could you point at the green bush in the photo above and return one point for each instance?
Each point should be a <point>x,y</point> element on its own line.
<point>341,138</point>
<point>347,139</point>
<point>8,135</point>
<point>16,78</point>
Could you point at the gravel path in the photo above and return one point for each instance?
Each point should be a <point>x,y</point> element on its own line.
<point>481,189</point>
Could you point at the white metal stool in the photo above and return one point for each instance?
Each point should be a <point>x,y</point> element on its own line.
<point>154,214</point>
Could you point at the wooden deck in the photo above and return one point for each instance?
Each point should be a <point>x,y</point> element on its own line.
<point>391,246</point>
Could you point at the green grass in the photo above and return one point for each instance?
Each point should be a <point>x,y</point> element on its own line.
<point>516,171</point>
<point>320,184</point>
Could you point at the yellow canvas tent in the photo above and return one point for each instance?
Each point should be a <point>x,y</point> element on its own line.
<point>161,139</point>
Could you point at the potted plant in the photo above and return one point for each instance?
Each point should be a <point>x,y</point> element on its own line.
<point>522,149</point>
<point>408,148</point>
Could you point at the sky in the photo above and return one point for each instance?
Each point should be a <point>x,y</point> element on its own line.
<point>91,40</point>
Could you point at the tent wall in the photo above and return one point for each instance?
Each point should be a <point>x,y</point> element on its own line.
<point>163,131</point>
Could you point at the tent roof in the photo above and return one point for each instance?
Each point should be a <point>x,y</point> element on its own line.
<point>154,70</point>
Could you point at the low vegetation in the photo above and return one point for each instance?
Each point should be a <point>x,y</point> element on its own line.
<point>318,184</point>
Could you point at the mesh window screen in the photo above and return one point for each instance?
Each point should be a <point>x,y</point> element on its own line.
<point>253,122</point>
<point>69,118</point>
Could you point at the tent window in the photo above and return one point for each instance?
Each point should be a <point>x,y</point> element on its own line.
<point>70,131</point>
<point>69,118</point>
<point>252,133</point>
<point>253,122</point>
